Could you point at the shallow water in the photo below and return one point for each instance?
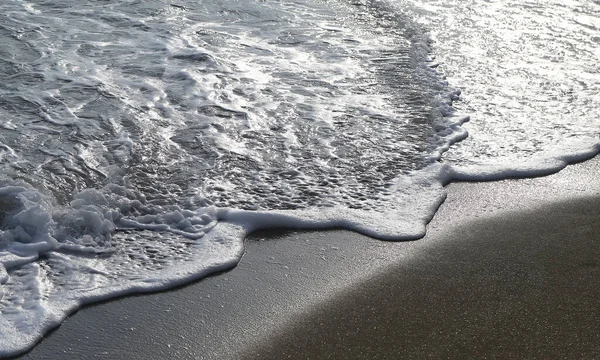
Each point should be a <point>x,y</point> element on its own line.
<point>141,141</point>
<point>529,75</point>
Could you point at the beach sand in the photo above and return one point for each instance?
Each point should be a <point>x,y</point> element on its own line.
<point>508,269</point>
<point>524,285</point>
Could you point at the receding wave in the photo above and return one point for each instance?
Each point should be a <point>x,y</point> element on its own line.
<point>141,142</point>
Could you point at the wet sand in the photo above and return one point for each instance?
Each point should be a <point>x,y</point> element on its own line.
<point>523,285</point>
<point>508,269</point>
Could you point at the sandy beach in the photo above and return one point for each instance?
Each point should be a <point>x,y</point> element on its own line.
<point>508,269</point>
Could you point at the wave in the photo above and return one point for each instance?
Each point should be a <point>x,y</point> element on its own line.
<point>142,144</point>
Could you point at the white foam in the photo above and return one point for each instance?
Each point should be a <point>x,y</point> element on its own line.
<point>38,293</point>
<point>540,165</point>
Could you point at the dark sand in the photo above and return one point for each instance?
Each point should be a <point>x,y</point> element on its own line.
<point>524,285</point>
<point>508,269</point>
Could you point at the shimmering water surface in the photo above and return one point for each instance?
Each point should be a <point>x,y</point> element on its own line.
<point>529,75</point>
<point>141,140</point>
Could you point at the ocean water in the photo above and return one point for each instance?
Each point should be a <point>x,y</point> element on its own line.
<point>141,141</point>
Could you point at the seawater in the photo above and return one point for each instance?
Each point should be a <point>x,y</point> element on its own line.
<point>142,140</point>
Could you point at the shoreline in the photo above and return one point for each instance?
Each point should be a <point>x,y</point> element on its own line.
<point>286,278</point>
